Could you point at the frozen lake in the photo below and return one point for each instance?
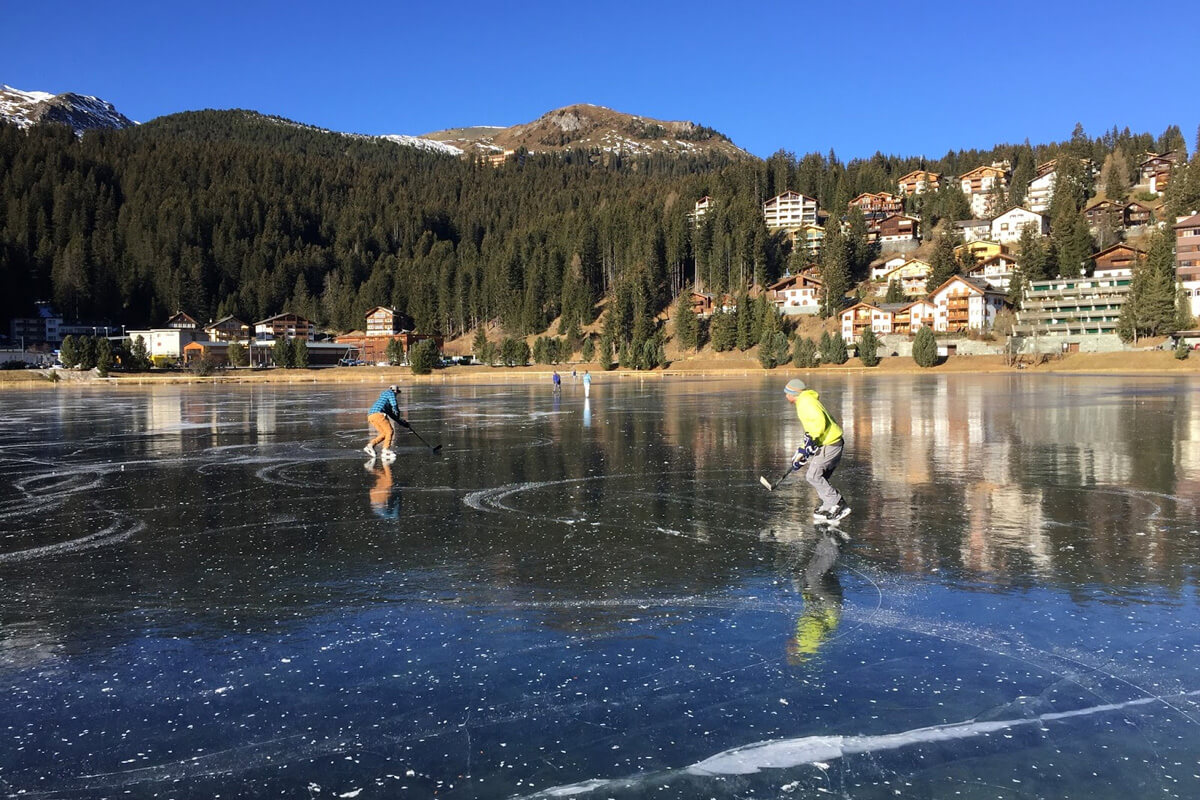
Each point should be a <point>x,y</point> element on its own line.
<point>205,592</point>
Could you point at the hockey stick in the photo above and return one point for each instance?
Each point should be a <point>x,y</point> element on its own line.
<point>432,448</point>
<point>773,486</point>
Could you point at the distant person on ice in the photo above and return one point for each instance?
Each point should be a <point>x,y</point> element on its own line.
<point>557,382</point>
<point>382,414</point>
<point>821,449</point>
<point>587,383</point>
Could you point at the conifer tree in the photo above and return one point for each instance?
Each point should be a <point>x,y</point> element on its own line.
<point>895,292</point>
<point>723,330</point>
<point>69,352</point>
<point>805,354</point>
<point>687,324</point>
<point>868,348</point>
<point>943,263</point>
<point>300,353</point>
<point>924,349</point>
<point>1072,244</point>
<point>1031,254</point>
<point>835,270</point>
<point>1150,307</point>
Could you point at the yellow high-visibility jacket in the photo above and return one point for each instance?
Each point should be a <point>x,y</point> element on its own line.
<point>816,420</point>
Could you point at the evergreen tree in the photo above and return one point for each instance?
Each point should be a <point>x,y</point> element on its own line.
<point>895,292</point>
<point>1115,176</point>
<point>479,343</point>
<point>837,350</point>
<point>69,352</point>
<point>859,251</point>
<point>394,351</point>
<point>1072,244</point>
<point>1184,321</point>
<point>104,356</point>
<point>687,324</point>
<point>588,351</point>
<point>868,348</point>
<point>87,352</point>
<point>723,330</point>
<point>745,322</point>
<point>1024,170</point>
<point>237,355</point>
<point>1031,254</point>
<point>924,350</point>
<point>300,353</point>
<point>139,356</point>
<point>1150,307</point>
<point>281,352</point>
<point>423,357</point>
<point>835,271</point>
<point>943,263</point>
<point>805,354</point>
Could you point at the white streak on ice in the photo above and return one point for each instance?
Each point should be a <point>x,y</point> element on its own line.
<point>815,750</point>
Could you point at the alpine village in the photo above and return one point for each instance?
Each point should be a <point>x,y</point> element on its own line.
<point>212,240</point>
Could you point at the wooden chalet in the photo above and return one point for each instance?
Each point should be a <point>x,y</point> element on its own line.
<point>918,181</point>
<point>897,228</point>
<point>287,324</point>
<point>1155,170</point>
<point>796,294</point>
<point>384,321</point>
<point>182,321</point>
<point>1138,214</point>
<point>1119,256</point>
<point>878,204</point>
<point>228,329</point>
<point>1098,212</point>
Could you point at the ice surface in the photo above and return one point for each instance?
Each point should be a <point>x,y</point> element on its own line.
<point>206,591</point>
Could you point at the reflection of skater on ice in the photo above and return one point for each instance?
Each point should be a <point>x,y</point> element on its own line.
<point>822,593</point>
<point>381,416</point>
<point>821,449</point>
<point>384,495</point>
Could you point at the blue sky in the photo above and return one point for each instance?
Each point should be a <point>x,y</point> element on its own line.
<point>857,77</point>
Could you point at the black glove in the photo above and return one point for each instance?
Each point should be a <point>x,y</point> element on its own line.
<point>403,423</point>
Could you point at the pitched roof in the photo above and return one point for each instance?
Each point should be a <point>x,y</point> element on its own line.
<point>1119,246</point>
<point>223,320</point>
<point>917,173</point>
<point>1190,222</point>
<point>983,171</point>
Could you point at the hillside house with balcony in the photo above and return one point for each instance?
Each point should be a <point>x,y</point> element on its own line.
<point>964,304</point>
<point>908,318</point>
<point>979,186</point>
<point>287,324</point>
<point>1102,211</point>
<point>980,249</point>
<point>1137,214</point>
<point>996,271</point>
<point>790,211</point>
<point>863,316</point>
<point>796,294</point>
<point>1117,257</point>
<point>1154,172</point>
<point>912,276</point>
<point>228,329</point>
<point>877,205</point>
<point>1041,188</point>
<point>974,230</point>
<point>701,209</point>
<point>1187,259</point>
<point>1008,226</point>
<point>898,229</point>
<point>918,181</point>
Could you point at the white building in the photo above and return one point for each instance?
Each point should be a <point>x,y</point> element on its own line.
<point>796,294</point>
<point>167,342</point>
<point>1008,226</point>
<point>996,271</point>
<point>1041,188</point>
<point>965,304</point>
<point>790,210</point>
<point>979,185</point>
<point>974,230</point>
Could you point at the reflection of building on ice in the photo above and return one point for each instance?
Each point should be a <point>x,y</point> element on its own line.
<point>822,593</point>
<point>384,495</point>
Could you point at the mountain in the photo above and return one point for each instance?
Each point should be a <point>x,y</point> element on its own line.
<point>592,127</point>
<point>81,112</point>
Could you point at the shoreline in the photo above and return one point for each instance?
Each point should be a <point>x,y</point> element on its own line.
<point>1146,363</point>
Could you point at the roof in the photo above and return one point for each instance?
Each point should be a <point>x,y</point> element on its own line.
<point>183,317</point>
<point>973,223</point>
<point>1019,208</point>
<point>391,311</point>
<point>982,171</point>
<point>280,316</point>
<point>863,304</point>
<point>978,284</point>
<point>1119,246</point>
<point>1189,222</point>
<point>788,195</point>
<point>917,173</point>
<point>790,279</point>
<point>223,320</point>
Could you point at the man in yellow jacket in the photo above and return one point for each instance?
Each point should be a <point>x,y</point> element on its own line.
<point>821,449</point>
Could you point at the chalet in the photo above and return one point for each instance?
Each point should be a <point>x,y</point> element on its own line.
<point>979,185</point>
<point>228,329</point>
<point>1008,226</point>
<point>293,326</point>
<point>1041,188</point>
<point>996,270</point>
<point>1187,258</point>
<point>810,238</point>
<point>877,205</point>
<point>898,228</point>
<point>1138,214</point>
<point>1117,257</point>
<point>703,206</point>
<point>911,275</point>
<point>862,316</point>
<point>1104,212</point>
<point>796,294</point>
<point>790,210</point>
<point>1155,170</point>
<point>910,317</point>
<point>384,321</point>
<point>881,267</point>
<point>973,230</point>
<point>918,181</point>
<point>980,249</point>
<point>182,321</point>
<point>965,304</point>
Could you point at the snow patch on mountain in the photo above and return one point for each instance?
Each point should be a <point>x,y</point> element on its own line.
<point>423,144</point>
<point>81,112</point>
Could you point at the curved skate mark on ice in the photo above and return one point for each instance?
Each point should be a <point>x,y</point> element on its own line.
<point>113,534</point>
<point>489,500</point>
<point>790,753</point>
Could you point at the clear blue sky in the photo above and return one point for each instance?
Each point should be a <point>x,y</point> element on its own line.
<point>857,77</point>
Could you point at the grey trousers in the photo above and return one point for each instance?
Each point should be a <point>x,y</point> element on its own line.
<point>820,467</point>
